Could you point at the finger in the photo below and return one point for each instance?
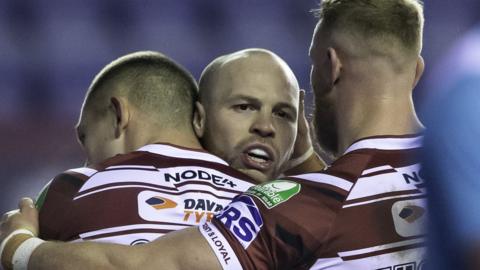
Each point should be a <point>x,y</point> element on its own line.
<point>301,102</point>
<point>302,119</point>
<point>8,214</point>
<point>302,94</point>
<point>26,204</point>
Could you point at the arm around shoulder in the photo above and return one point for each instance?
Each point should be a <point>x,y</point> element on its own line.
<point>185,249</point>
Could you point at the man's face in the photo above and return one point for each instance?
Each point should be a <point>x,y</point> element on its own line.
<point>251,119</point>
<point>325,121</point>
<point>95,134</point>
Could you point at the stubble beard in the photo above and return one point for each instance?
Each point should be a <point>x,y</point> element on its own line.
<point>325,126</point>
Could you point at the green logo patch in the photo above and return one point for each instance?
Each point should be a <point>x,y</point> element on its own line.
<point>275,192</point>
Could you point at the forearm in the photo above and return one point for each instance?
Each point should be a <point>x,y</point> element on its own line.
<point>86,255</point>
<point>185,249</point>
<point>19,248</point>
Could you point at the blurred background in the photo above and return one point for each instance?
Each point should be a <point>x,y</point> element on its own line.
<point>51,50</point>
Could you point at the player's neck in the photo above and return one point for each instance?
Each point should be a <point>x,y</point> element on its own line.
<point>386,112</point>
<point>179,137</point>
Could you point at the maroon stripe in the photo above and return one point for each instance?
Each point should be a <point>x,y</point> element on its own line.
<point>170,193</point>
<point>406,136</point>
<point>149,230</point>
<point>364,226</point>
<point>123,184</point>
<point>385,251</point>
<point>80,176</point>
<point>319,186</point>
<point>412,192</point>
<point>378,173</point>
<point>55,215</point>
<point>350,166</point>
<point>115,208</point>
<point>200,191</point>
<point>131,168</point>
<point>393,158</point>
<point>161,161</point>
<point>189,182</point>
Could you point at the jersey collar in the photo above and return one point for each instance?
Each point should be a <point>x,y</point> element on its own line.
<point>402,142</point>
<point>181,152</point>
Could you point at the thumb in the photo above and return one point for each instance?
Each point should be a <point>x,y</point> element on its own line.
<point>302,118</point>
<point>26,204</point>
<point>28,217</point>
<point>301,103</point>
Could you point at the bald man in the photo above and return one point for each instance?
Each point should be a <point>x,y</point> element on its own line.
<point>246,112</point>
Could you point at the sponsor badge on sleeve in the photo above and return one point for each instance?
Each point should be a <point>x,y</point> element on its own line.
<point>274,193</point>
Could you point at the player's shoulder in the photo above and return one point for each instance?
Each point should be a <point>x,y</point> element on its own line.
<point>66,182</point>
<point>313,192</point>
<point>331,185</point>
<point>169,155</point>
<point>280,211</point>
<point>72,178</point>
<point>165,157</point>
<point>342,174</point>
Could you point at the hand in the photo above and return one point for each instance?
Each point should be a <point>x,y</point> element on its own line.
<point>304,159</point>
<point>24,218</point>
<point>303,142</point>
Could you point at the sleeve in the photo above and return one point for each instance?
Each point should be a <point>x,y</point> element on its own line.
<point>40,200</point>
<point>55,204</point>
<point>277,225</point>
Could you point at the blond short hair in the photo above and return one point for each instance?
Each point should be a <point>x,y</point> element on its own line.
<point>401,20</point>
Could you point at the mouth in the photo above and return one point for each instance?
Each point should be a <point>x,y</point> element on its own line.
<point>259,157</point>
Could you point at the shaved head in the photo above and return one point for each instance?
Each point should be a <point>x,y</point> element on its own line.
<point>150,81</point>
<point>242,61</point>
<point>139,98</point>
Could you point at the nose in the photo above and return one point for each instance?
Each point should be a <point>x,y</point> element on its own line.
<point>263,126</point>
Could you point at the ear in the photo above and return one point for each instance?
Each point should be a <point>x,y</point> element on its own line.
<point>199,119</point>
<point>335,66</point>
<point>419,70</point>
<point>122,115</point>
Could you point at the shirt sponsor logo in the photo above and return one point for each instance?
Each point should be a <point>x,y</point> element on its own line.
<point>200,210</point>
<point>243,219</point>
<point>159,203</point>
<point>199,175</point>
<point>409,217</point>
<point>156,206</point>
<point>218,243</point>
<point>415,177</point>
<point>274,193</point>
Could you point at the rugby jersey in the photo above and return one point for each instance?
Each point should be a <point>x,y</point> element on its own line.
<point>365,211</point>
<point>136,197</point>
